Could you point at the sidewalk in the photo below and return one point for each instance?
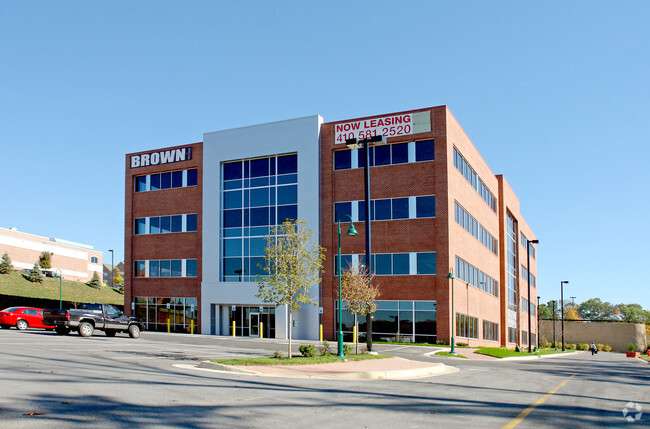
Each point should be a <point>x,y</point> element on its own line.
<point>390,368</point>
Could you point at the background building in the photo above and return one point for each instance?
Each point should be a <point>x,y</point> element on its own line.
<point>76,261</point>
<point>436,208</point>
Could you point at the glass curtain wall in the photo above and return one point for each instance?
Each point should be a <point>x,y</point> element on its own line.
<point>155,313</point>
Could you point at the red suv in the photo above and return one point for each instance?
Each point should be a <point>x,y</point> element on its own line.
<point>22,318</point>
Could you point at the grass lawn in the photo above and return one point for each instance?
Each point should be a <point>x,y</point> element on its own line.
<point>449,354</point>
<point>503,353</point>
<point>296,360</point>
<point>16,285</point>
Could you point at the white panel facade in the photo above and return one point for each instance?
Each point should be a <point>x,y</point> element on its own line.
<point>299,136</point>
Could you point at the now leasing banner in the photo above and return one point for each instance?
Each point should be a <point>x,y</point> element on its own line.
<point>387,126</point>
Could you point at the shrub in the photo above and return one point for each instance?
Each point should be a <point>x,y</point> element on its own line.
<point>572,346</point>
<point>441,343</point>
<point>347,349</point>
<point>5,264</point>
<point>631,347</point>
<point>277,355</point>
<point>582,346</point>
<point>324,348</point>
<point>461,344</point>
<point>600,347</point>
<point>607,348</point>
<point>546,344</point>
<point>35,275</point>
<point>307,350</point>
<point>95,282</point>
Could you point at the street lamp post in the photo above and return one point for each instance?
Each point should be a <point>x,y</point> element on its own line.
<point>530,335</point>
<point>112,285</point>
<point>554,343</point>
<point>453,316</point>
<point>351,231</point>
<point>562,308</point>
<point>60,274</point>
<point>356,144</point>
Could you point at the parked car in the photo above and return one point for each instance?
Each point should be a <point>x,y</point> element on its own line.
<point>23,318</point>
<point>91,317</point>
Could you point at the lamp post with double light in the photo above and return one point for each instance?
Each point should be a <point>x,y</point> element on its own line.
<point>562,307</point>
<point>356,144</point>
<point>351,231</point>
<point>530,335</point>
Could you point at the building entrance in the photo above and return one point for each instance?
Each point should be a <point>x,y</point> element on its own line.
<point>247,320</point>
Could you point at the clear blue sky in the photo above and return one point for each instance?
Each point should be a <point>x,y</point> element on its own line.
<point>555,95</point>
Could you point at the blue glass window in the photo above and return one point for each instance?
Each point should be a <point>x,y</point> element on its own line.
<point>257,246</point>
<point>287,194</point>
<point>382,155</point>
<point>342,159</point>
<point>382,209</point>
<point>190,268</point>
<point>165,268</point>
<point>165,224</point>
<point>165,180</point>
<point>154,268</point>
<point>141,184</point>
<point>424,150</point>
<point>400,153</point>
<point>177,267</point>
<point>259,216</point>
<point>361,157</point>
<point>400,263</point>
<point>287,213</point>
<point>259,197</point>
<point>346,263</point>
<point>287,164</point>
<point>192,177</point>
<point>139,268</point>
<point>342,209</point>
<point>384,264</point>
<point>400,208</point>
<point>140,226</point>
<point>260,167</point>
<point>287,178</point>
<point>177,179</point>
<point>257,267</point>
<point>232,267</point>
<point>177,223</point>
<point>426,263</point>
<point>154,225</point>
<point>425,206</point>
<point>154,182</point>
<point>232,170</point>
<point>232,218</point>
<point>191,222</point>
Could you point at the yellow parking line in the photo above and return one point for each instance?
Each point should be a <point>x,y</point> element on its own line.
<point>536,404</point>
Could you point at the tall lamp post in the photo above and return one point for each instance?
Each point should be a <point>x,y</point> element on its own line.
<point>453,315</point>
<point>562,303</point>
<point>112,285</point>
<point>59,275</point>
<point>530,335</point>
<point>356,144</point>
<point>537,312</point>
<point>351,231</point>
<point>554,343</point>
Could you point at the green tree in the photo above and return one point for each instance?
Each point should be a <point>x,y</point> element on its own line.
<point>595,309</point>
<point>95,282</point>
<point>634,313</point>
<point>293,263</point>
<point>45,260</point>
<point>118,280</point>
<point>35,275</point>
<point>546,310</point>
<point>5,264</point>
<point>358,291</point>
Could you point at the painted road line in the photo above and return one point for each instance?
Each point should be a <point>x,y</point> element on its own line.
<point>536,404</point>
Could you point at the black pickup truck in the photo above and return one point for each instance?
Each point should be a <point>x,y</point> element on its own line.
<point>89,317</point>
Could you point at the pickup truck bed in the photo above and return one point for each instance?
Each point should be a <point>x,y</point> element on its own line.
<point>91,317</point>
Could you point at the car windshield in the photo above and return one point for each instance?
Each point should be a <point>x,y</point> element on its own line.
<point>11,309</point>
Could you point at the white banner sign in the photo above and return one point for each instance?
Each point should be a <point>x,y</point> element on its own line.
<point>387,126</point>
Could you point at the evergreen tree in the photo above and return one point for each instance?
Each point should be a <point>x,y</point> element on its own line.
<point>95,282</point>
<point>45,260</point>
<point>5,264</point>
<point>35,275</point>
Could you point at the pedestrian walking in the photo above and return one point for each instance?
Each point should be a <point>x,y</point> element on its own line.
<point>593,348</point>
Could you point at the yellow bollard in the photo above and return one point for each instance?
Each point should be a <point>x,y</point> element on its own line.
<point>168,326</point>
<point>261,329</point>
<point>233,328</point>
<point>354,334</point>
<point>192,327</point>
<point>321,334</point>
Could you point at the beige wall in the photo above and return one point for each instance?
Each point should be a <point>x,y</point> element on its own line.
<point>617,335</point>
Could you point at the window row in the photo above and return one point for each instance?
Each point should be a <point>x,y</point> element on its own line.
<point>524,338</point>
<point>242,269</point>
<point>391,264</point>
<point>262,167</point>
<point>466,326</point>
<point>392,154</point>
<point>490,331</point>
<point>477,278</point>
<point>259,216</point>
<point>387,209</point>
<point>165,268</point>
<point>166,224</point>
<point>524,242</point>
<point>468,172</point>
<point>524,274</point>
<point>524,306</point>
<point>260,197</point>
<point>474,227</point>
<point>169,180</point>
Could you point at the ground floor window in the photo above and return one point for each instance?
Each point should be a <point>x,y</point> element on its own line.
<point>490,331</point>
<point>403,321</point>
<point>524,338</point>
<point>512,335</point>
<point>466,326</point>
<point>167,314</point>
<point>249,321</point>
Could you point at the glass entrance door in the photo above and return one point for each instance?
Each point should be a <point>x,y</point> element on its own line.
<point>255,324</point>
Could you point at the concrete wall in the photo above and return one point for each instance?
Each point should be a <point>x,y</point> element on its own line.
<point>617,335</point>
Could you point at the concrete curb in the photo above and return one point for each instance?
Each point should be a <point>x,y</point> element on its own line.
<point>433,370</point>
